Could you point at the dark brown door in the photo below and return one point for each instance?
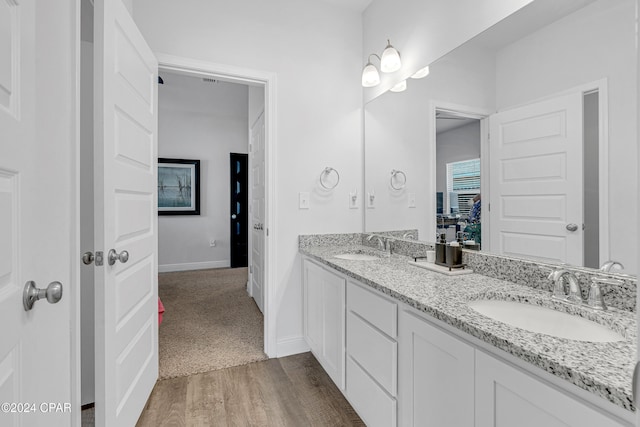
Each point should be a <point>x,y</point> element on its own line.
<point>238,212</point>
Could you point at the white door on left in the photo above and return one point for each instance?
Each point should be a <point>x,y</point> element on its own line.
<point>37,122</point>
<point>126,222</point>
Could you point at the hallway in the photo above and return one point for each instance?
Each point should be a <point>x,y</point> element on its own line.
<point>210,322</point>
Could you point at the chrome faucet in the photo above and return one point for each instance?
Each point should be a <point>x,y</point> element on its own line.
<point>383,243</point>
<point>595,299</point>
<point>607,266</point>
<point>574,296</point>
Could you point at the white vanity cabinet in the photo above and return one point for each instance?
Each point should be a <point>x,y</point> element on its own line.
<point>436,373</point>
<point>324,318</point>
<point>372,353</point>
<point>398,366</point>
<point>506,396</point>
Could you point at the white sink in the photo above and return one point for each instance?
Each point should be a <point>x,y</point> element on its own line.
<point>357,257</point>
<point>543,320</point>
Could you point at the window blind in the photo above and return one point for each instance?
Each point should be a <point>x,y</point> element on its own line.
<point>463,178</point>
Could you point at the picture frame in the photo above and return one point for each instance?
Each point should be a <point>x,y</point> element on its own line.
<point>178,186</point>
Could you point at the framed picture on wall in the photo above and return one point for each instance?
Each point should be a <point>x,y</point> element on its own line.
<point>178,187</point>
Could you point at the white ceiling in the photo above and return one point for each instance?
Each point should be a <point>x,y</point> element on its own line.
<point>448,121</point>
<point>357,5</point>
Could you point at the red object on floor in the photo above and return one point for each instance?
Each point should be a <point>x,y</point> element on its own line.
<point>160,311</point>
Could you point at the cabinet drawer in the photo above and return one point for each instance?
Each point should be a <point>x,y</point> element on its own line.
<point>374,351</point>
<point>375,407</point>
<point>378,311</point>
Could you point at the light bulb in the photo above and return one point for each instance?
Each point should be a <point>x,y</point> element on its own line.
<point>370,76</point>
<point>390,59</point>
<point>423,72</point>
<point>400,87</point>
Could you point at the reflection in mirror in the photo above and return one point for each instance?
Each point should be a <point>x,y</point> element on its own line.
<point>458,177</point>
<point>544,105</point>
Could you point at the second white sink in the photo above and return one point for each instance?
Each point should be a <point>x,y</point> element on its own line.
<point>357,257</point>
<point>544,320</point>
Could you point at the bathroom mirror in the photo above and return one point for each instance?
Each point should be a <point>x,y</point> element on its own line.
<point>538,116</point>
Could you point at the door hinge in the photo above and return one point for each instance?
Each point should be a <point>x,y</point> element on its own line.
<point>251,269</point>
<point>267,232</point>
<point>489,207</point>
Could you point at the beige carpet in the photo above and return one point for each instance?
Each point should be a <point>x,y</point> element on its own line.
<point>210,322</point>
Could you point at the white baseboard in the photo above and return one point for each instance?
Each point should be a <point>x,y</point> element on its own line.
<point>166,268</point>
<point>290,346</point>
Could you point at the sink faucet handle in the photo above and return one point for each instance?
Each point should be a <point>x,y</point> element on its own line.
<point>596,299</point>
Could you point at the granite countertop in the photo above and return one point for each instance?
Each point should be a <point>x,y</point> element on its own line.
<point>604,369</point>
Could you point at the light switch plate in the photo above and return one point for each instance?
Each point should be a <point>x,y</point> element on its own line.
<point>371,201</point>
<point>353,200</point>
<point>303,200</point>
<point>412,200</point>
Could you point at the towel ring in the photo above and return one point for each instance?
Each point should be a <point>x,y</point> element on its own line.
<point>323,175</point>
<point>394,174</point>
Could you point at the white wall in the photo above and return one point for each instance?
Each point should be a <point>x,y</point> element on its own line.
<point>201,121</point>
<point>396,138</point>
<point>315,49</point>
<point>456,145</point>
<point>397,133</point>
<point>594,43</point>
<point>423,31</point>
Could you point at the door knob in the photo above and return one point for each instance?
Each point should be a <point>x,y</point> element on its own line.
<point>572,227</point>
<point>87,258</point>
<point>233,216</point>
<point>115,256</point>
<point>31,294</point>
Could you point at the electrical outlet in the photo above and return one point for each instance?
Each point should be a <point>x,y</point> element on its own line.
<point>212,242</point>
<point>303,200</point>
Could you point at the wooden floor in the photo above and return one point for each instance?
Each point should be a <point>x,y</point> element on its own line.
<point>290,391</point>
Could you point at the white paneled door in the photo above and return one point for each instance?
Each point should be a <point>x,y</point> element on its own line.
<point>126,286</point>
<point>536,176</point>
<point>257,210</point>
<point>35,215</point>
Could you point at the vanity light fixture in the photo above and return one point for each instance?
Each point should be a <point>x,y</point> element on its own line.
<point>370,75</point>
<point>389,62</point>
<point>421,73</point>
<point>400,87</point>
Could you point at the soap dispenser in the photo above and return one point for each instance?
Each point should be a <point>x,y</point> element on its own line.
<point>441,246</point>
